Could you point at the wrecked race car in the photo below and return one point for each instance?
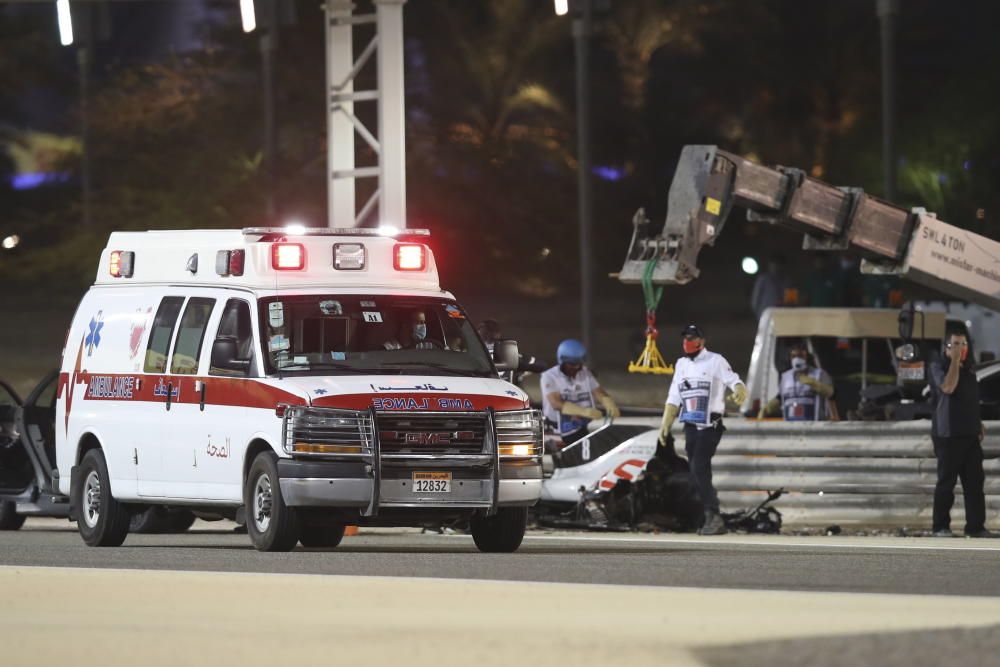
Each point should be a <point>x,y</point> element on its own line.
<point>619,478</point>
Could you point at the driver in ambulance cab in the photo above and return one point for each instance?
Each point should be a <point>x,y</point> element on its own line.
<point>415,333</point>
<point>570,393</point>
<point>697,395</point>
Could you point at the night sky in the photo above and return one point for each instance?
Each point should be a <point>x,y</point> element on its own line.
<point>177,130</point>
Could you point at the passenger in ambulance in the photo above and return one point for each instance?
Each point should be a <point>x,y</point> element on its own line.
<point>805,391</point>
<point>413,335</point>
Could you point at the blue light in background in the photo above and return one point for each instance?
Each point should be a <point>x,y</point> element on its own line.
<point>29,181</point>
<point>608,173</point>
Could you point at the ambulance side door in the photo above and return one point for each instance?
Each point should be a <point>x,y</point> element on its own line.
<point>153,416</point>
<point>182,449</point>
<point>231,416</point>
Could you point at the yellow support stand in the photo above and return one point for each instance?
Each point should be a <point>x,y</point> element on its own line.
<point>651,361</point>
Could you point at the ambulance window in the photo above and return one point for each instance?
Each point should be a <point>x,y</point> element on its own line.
<point>162,332</point>
<point>237,323</point>
<point>187,349</point>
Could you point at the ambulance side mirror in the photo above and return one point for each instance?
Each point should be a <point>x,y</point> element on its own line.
<point>224,355</point>
<point>505,355</point>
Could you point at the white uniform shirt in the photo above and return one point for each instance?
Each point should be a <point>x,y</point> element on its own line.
<point>799,401</point>
<point>578,389</point>
<point>699,387</point>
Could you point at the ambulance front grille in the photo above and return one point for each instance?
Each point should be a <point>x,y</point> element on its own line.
<point>432,433</point>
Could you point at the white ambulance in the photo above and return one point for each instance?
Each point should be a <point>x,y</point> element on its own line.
<point>300,382</point>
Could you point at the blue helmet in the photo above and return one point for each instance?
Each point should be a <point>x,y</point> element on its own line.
<point>571,351</point>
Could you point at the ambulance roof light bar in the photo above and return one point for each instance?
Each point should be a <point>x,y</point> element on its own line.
<point>326,231</point>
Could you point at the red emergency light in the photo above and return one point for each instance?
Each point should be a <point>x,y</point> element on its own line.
<point>288,256</point>
<point>237,260</point>
<point>230,262</point>
<point>409,257</point>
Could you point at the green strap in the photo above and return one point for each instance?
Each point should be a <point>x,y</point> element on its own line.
<point>651,294</point>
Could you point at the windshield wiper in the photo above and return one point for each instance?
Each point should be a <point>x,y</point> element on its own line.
<point>324,367</point>
<point>430,364</point>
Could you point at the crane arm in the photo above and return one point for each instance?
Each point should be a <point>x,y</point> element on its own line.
<point>914,244</point>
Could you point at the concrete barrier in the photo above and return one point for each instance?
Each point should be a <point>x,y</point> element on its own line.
<point>878,474</point>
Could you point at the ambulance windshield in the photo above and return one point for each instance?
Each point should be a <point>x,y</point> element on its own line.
<point>353,334</point>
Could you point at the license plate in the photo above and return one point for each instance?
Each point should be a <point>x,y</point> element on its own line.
<point>911,371</point>
<point>432,482</point>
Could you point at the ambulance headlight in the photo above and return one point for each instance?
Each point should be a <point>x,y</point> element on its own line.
<point>311,448</point>
<point>348,256</point>
<point>519,433</point>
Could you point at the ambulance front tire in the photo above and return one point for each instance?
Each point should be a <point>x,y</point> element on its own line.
<point>102,520</point>
<point>502,532</point>
<point>272,525</point>
<point>321,536</point>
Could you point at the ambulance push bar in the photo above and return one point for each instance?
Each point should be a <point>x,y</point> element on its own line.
<point>913,244</point>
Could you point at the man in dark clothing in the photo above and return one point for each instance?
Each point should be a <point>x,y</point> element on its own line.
<point>957,432</point>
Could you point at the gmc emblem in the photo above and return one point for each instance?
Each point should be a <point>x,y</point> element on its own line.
<point>428,438</point>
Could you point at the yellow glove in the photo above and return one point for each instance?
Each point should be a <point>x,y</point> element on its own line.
<point>610,407</point>
<point>773,408</point>
<point>669,415</point>
<point>575,410</point>
<point>824,390</point>
<point>807,379</point>
<point>739,394</point>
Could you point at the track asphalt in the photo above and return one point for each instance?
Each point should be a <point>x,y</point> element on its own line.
<point>400,597</point>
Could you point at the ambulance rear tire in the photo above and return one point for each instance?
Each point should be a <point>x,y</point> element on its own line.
<point>9,518</point>
<point>326,537</point>
<point>102,520</point>
<point>272,525</point>
<point>502,532</point>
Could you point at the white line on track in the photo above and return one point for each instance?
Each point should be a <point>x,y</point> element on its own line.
<point>774,542</point>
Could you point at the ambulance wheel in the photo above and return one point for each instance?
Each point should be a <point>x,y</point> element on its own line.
<point>502,532</point>
<point>9,518</point>
<point>102,520</point>
<point>321,536</point>
<point>272,525</point>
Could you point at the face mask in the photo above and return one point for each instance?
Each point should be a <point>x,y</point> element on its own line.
<point>692,347</point>
<point>798,363</point>
<point>420,331</point>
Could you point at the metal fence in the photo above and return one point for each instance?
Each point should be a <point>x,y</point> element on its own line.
<point>876,474</point>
